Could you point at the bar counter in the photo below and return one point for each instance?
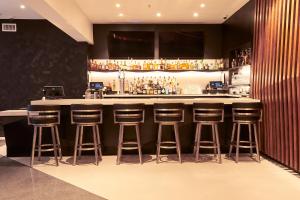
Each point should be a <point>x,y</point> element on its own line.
<point>19,135</point>
<point>149,100</point>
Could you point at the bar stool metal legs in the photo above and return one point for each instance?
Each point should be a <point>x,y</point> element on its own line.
<point>33,146</point>
<point>214,144</point>
<point>166,144</point>
<point>55,146</point>
<point>80,146</point>
<point>244,144</point>
<point>121,143</point>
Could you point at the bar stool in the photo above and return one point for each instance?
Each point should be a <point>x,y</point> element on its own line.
<point>210,114</point>
<point>83,115</point>
<point>129,115</point>
<point>168,114</point>
<point>44,116</point>
<point>249,114</point>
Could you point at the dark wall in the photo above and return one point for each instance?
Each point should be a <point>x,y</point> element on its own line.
<point>238,29</point>
<point>212,36</point>
<point>39,54</point>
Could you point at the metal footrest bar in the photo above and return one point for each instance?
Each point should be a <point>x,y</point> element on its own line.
<point>208,147</point>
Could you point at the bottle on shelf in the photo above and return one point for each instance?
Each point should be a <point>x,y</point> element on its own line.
<point>114,85</point>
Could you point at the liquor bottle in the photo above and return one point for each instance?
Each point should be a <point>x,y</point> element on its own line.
<point>178,67</point>
<point>161,66</point>
<point>144,67</point>
<point>200,65</point>
<point>151,65</point>
<point>163,90</point>
<point>178,89</point>
<point>126,86</point>
<point>114,85</point>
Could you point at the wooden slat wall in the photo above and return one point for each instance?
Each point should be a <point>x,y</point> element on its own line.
<point>276,78</point>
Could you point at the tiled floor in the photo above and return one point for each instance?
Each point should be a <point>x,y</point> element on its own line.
<point>207,180</point>
<point>22,182</point>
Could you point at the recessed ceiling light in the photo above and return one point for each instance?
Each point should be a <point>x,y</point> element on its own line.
<point>121,15</point>
<point>22,6</point>
<point>202,5</point>
<point>118,5</point>
<point>158,14</point>
<point>195,14</point>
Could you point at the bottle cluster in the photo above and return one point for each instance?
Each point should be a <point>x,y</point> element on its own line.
<point>241,57</point>
<point>153,86</point>
<point>148,65</point>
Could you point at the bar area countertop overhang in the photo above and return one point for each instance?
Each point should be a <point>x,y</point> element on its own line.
<point>147,101</point>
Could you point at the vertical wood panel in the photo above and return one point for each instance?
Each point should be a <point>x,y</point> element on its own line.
<point>276,77</point>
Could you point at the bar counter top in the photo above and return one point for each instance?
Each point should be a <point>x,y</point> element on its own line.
<point>147,101</point>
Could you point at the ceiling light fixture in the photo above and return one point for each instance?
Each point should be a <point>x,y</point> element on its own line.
<point>202,5</point>
<point>22,6</point>
<point>195,14</point>
<point>118,5</point>
<point>121,15</point>
<point>158,14</point>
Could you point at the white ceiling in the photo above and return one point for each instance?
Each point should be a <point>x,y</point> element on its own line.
<point>172,11</point>
<point>138,11</point>
<point>11,9</point>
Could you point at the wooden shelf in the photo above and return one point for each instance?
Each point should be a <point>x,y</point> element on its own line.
<point>237,85</point>
<point>160,70</point>
<point>238,67</point>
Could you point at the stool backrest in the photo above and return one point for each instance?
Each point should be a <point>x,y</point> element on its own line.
<point>129,113</point>
<point>168,112</point>
<point>208,112</point>
<point>247,112</point>
<point>86,113</point>
<point>43,115</point>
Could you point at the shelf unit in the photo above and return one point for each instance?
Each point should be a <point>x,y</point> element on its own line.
<point>237,85</point>
<point>218,70</point>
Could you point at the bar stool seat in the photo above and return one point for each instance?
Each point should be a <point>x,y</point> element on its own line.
<point>168,114</point>
<point>44,116</point>
<point>210,114</point>
<point>127,115</point>
<point>84,115</point>
<point>249,114</point>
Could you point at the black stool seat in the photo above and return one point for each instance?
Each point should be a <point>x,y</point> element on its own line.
<point>168,114</point>
<point>129,115</point>
<point>208,114</point>
<point>44,116</point>
<point>249,114</point>
<point>87,115</point>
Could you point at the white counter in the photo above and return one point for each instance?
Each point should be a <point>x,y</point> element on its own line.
<point>13,113</point>
<point>147,101</point>
<point>111,101</point>
<point>168,96</point>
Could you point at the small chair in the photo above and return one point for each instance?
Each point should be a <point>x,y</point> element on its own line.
<point>249,114</point>
<point>129,115</point>
<point>84,115</point>
<point>208,114</point>
<point>168,114</point>
<point>44,116</point>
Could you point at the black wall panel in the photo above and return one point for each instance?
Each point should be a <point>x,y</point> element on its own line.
<point>238,29</point>
<point>39,54</point>
<point>212,36</point>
